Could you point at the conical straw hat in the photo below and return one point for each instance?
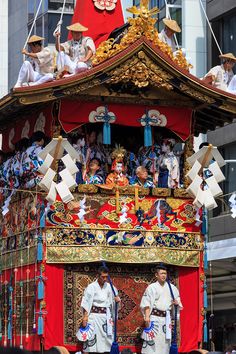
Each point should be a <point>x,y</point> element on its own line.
<point>35,38</point>
<point>77,27</point>
<point>228,56</point>
<point>172,24</point>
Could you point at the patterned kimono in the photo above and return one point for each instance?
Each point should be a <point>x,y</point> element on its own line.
<point>168,171</point>
<point>147,184</point>
<point>98,302</point>
<point>94,179</point>
<point>30,164</point>
<point>148,157</point>
<point>117,179</point>
<point>158,298</point>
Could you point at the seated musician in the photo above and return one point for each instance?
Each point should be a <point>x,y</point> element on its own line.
<point>75,55</point>
<point>142,179</point>
<point>41,70</point>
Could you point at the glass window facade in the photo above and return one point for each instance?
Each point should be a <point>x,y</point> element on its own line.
<point>225,32</point>
<point>48,17</point>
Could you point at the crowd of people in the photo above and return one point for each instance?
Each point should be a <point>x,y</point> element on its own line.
<point>104,165</point>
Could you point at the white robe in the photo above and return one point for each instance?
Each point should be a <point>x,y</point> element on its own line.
<point>232,86</point>
<point>168,40</point>
<point>158,297</point>
<point>94,295</point>
<point>221,78</point>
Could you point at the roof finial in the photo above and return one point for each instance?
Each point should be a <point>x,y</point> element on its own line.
<point>143,11</point>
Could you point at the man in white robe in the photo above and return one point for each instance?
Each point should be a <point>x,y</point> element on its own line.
<point>220,76</point>
<point>167,34</point>
<point>40,69</point>
<point>98,310</point>
<point>156,305</point>
<point>75,55</point>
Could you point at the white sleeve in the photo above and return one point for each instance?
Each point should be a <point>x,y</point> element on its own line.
<point>90,44</point>
<point>213,71</point>
<point>148,298</point>
<point>87,299</point>
<point>177,296</point>
<point>44,56</point>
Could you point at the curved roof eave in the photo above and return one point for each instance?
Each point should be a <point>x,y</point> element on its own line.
<point>212,107</point>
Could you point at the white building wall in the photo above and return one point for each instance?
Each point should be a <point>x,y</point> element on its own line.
<point>4,47</point>
<point>195,35</point>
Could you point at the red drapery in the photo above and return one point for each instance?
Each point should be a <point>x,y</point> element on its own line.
<point>100,23</point>
<point>74,113</point>
<point>190,318</point>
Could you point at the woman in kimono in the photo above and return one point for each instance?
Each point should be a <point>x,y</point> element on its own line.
<point>98,310</point>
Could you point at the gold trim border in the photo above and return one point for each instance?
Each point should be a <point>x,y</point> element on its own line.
<point>138,255</point>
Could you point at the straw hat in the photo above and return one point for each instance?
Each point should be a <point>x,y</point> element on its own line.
<point>34,38</point>
<point>172,24</point>
<point>77,27</point>
<point>228,56</point>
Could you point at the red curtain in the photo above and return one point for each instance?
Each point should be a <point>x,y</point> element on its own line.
<point>74,113</point>
<point>100,23</point>
<point>190,317</point>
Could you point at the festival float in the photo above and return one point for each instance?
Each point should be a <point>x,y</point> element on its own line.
<point>55,231</point>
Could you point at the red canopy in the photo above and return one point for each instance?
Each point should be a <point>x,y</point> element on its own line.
<point>100,23</point>
<point>74,113</point>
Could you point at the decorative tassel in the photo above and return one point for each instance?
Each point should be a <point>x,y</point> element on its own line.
<point>205,332</point>
<point>205,261</point>
<point>40,249</point>
<point>205,295</point>
<point>40,329</point>
<point>106,133</point>
<point>147,135</point>
<point>40,325</point>
<point>42,215</point>
<point>9,331</point>
<point>40,289</point>
<point>204,223</point>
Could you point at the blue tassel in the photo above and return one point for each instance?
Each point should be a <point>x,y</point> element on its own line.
<point>115,348</point>
<point>173,348</point>
<point>205,333</point>
<point>9,331</point>
<point>40,325</point>
<point>42,216</point>
<point>106,133</point>
<point>147,135</point>
<point>204,223</point>
<point>205,296</point>
<point>40,289</point>
<point>205,262</point>
<point>40,249</point>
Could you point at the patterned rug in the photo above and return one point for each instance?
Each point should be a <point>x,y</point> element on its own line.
<point>131,280</point>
